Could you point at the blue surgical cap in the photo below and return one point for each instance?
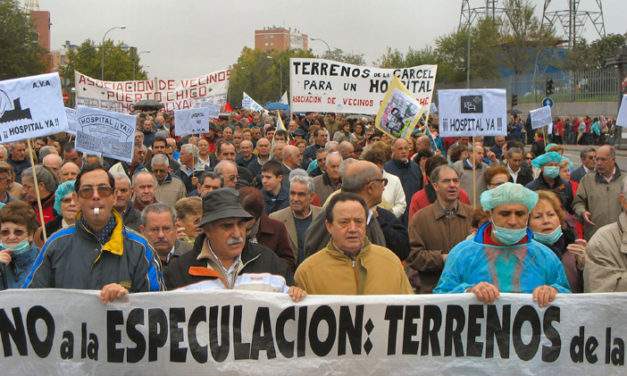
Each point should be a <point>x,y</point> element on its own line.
<point>507,194</point>
<point>550,157</point>
<point>62,190</point>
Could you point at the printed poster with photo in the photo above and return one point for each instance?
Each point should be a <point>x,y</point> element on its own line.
<point>399,112</point>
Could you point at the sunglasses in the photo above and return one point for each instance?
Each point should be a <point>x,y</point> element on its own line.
<point>17,232</point>
<point>88,191</point>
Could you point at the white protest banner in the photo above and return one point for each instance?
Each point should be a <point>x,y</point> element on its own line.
<point>71,120</point>
<point>321,85</point>
<point>191,121</point>
<point>399,112</point>
<point>472,112</point>
<point>247,332</point>
<point>120,96</point>
<point>621,119</point>
<point>106,133</point>
<point>250,104</point>
<point>31,107</point>
<point>541,117</point>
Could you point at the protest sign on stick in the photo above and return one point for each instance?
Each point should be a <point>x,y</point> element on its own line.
<point>31,107</point>
<point>191,121</point>
<point>105,133</point>
<point>399,111</point>
<point>36,187</point>
<point>472,112</point>
<point>541,117</point>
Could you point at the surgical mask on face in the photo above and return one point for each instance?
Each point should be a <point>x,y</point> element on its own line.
<point>509,236</point>
<point>550,238</point>
<point>551,171</point>
<point>17,249</point>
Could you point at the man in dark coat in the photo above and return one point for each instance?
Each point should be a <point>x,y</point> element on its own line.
<point>221,253</point>
<point>407,171</point>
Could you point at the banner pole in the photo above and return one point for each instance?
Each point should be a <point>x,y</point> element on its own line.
<point>36,186</point>
<point>474,175</point>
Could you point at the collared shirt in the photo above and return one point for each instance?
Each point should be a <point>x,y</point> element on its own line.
<point>230,273</point>
<point>609,180</point>
<point>513,174</point>
<point>446,213</point>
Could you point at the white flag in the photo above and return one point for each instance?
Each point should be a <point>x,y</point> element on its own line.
<point>250,104</point>
<point>284,98</point>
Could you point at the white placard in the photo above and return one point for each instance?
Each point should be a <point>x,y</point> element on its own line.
<point>321,85</point>
<point>250,104</point>
<point>120,96</point>
<point>472,112</point>
<point>621,119</point>
<point>71,120</point>
<point>106,133</point>
<point>541,117</point>
<point>191,121</point>
<point>31,107</point>
<point>70,332</point>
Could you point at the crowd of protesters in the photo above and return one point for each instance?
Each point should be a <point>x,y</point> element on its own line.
<point>328,205</point>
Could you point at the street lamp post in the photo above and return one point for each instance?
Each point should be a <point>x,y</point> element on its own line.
<point>102,49</point>
<point>137,62</point>
<point>323,41</point>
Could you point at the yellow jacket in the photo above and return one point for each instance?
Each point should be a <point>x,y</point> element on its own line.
<point>374,271</point>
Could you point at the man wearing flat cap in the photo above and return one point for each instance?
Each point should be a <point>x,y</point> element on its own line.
<point>221,257</point>
<point>502,256</point>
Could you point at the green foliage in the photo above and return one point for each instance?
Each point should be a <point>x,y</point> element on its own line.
<point>262,75</point>
<point>339,55</point>
<point>593,56</point>
<point>20,53</point>
<point>119,61</point>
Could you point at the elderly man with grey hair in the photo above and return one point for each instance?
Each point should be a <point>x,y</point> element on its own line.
<point>47,184</point>
<point>169,188</point>
<point>330,180</point>
<point>227,170</point>
<point>606,261</point>
<point>298,217</point>
<point>53,162</point>
<point>190,167</point>
<point>46,150</point>
<point>123,193</point>
<point>383,228</point>
<point>158,226</point>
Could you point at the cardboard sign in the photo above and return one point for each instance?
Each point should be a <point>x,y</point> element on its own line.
<point>399,112</point>
<point>472,112</point>
<point>105,133</point>
<point>541,117</point>
<point>191,121</point>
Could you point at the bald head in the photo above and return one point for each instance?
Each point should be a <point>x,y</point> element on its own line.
<point>346,149</point>
<point>365,179</point>
<point>53,162</point>
<point>291,156</point>
<point>423,143</point>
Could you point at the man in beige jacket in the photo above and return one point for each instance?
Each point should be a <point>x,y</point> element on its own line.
<point>606,254</point>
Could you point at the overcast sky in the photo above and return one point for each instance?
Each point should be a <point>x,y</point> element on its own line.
<point>188,38</point>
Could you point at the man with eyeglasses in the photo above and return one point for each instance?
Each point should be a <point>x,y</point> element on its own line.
<point>98,252</point>
<point>159,228</point>
<point>588,157</point>
<point>349,253</point>
<point>169,188</point>
<point>598,193</point>
<point>436,229</point>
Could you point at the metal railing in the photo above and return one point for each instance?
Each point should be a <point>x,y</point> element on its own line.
<point>568,86</point>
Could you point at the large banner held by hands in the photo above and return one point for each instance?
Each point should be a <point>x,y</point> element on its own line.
<point>235,332</point>
<point>105,133</point>
<point>399,112</point>
<point>472,112</point>
<point>321,85</point>
<point>191,121</point>
<point>31,107</point>
<point>541,117</point>
<point>120,96</point>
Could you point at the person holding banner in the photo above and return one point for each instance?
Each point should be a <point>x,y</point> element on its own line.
<point>502,256</point>
<point>98,252</point>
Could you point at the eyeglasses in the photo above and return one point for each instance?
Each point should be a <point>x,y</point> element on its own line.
<point>17,232</point>
<point>88,191</point>
<point>383,181</point>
